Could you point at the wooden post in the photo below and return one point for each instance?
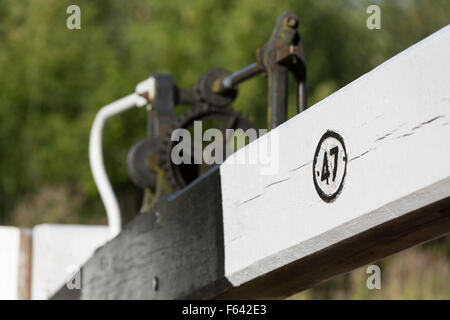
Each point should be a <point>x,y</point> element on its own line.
<point>359,176</point>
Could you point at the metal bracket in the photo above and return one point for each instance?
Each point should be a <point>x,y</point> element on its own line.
<point>159,121</point>
<point>281,54</point>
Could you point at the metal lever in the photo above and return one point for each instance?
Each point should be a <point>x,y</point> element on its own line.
<point>239,76</point>
<point>281,54</point>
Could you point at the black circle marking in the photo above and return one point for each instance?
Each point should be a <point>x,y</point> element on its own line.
<point>316,173</point>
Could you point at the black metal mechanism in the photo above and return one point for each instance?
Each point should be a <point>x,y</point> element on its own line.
<point>281,54</point>
<point>144,154</point>
<point>149,159</point>
<point>152,155</point>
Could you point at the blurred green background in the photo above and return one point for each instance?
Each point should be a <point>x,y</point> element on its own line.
<point>53,80</point>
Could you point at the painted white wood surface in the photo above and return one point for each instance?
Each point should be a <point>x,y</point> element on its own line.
<point>15,254</point>
<point>395,122</point>
<point>9,263</point>
<point>57,251</point>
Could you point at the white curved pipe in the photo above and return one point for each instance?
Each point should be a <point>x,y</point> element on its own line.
<point>96,157</point>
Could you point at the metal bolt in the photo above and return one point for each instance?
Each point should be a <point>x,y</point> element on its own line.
<point>292,22</point>
<point>155,283</point>
<point>227,82</point>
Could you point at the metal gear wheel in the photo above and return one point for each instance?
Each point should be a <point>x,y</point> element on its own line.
<point>179,176</point>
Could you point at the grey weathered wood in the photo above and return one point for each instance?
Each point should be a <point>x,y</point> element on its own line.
<point>174,251</point>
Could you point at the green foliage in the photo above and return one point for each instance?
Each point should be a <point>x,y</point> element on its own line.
<point>53,80</point>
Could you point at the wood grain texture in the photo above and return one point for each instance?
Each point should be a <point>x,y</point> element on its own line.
<point>24,285</point>
<point>174,251</point>
<point>394,122</point>
<point>253,232</point>
<point>376,243</point>
<point>126,267</point>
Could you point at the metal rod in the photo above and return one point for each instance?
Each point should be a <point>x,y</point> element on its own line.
<point>185,96</point>
<point>240,76</point>
<point>278,91</point>
<point>301,97</point>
